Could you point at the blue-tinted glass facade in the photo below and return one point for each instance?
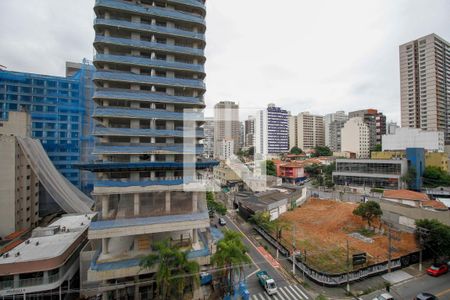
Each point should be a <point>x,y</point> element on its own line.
<point>57,107</point>
<point>277,130</point>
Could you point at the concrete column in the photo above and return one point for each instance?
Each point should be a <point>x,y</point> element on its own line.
<point>105,206</point>
<point>105,244</point>
<point>137,204</point>
<point>45,279</point>
<point>16,281</point>
<point>167,201</point>
<point>194,201</point>
<point>194,236</point>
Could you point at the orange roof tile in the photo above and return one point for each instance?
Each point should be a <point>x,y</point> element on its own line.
<point>435,204</point>
<point>405,195</point>
<point>16,234</point>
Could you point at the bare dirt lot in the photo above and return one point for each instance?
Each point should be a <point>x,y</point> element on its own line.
<point>322,228</point>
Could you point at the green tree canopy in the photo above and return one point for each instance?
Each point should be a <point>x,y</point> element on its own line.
<point>435,237</point>
<point>322,151</point>
<point>368,211</point>
<point>231,256</point>
<point>435,176</point>
<point>295,150</point>
<point>313,170</point>
<point>409,177</point>
<point>270,168</point>
<point>174,271</point>
<point>214,206</point>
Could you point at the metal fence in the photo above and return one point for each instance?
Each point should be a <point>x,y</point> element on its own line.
<point>331,280</point>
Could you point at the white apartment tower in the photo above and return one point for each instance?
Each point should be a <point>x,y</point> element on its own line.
<point>355,137</point>
<point>327,120</point>
<point>149,86</point>
<point>425,84</point>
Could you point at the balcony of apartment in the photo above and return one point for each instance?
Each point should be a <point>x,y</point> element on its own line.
<point>148,10</point>
<point>149,114</point>
<point>147,45</point>
<point>149,28</point>
<point>148,62</point>
<point>128,77</point>
<point>146,96</point>
<point>123,255</point>
<point>148,132</point>
<point>102,166</point>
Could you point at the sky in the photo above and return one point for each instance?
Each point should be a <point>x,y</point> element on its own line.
<point>318,56</point>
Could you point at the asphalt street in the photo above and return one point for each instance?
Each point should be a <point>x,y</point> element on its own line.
<point>438,286</point>
<point>259,262</point>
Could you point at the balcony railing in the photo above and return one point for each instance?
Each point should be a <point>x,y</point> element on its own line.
<point>159,114</point>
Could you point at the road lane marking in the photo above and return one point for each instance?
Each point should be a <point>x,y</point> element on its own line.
<point>443,293</point>
<point>284,293</point>
<point>300,290</point>
<point>253,273</point>
<point>268,257</point>
<point>295,292</point>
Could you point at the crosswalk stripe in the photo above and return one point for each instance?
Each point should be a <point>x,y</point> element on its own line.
<point>300,290</point>
<point>289,292</point>
<point>255,297</point>
<point>275,296</point>
<point>263,296</point>
<point>295,292</point>
<point>284,293</point>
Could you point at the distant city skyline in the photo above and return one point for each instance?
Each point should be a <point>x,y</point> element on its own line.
<point>297,60</point>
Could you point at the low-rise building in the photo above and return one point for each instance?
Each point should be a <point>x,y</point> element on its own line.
<point>437,159</point>
<point>344,154</point>
<point>370,173</point>
<point>45,264</point>
<point>291,172</point>
<point>275,201</point>
<point>387,155</point>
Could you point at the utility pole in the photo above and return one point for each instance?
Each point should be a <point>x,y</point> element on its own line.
<point>422,231</point>
<point>389,248</point>
<point>348,268</point>
<point>293,250</point>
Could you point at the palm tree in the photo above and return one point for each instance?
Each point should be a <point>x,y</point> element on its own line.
<point>231,253</point>
<point>174,271</point>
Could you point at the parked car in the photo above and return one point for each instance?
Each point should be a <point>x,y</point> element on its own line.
<point>385,296</point>
<point>425,296</point>
<point>222,222</point>
<point>437,269</point>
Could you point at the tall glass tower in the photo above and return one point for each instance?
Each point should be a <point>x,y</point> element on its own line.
<point>149,91</point>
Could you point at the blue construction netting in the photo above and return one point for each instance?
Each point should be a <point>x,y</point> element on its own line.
<point>158,114</point>
<point>175,149</point>
<point>120,94</point>
<point>135,78</point>
<point>105,166</point>
<point>149,45</point>
<point>104,131</point>
<point>154,11</point>
<point>150,28</point>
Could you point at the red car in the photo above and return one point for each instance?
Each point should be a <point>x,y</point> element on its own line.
<point>437,269</point>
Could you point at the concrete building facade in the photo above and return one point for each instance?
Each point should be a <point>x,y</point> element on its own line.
<point>149,89</point>
<point>226,125</point>
<point>376,122</point>
<point>271,131</point>
<point>414,138</point>
<point>19,184</point>
<point>306,131</point>
<point>60,112</point>
<point>208,142</point>
<point>424,82</point>
<point>249,132</point>
<point>330,137</point>
<point>355,137</point>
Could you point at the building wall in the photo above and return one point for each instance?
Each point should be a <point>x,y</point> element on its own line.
<point>226,125</point>
<point>208,129</point>
<point>327,120</point>
<point>261,132</point>
<point>356,137</point>
<point>387,154</point>
<point>249,132</point>
<point>424,69</point>
<point>310,131</point>
<point>293,131</point>
<point>277,130</point>
<point>57,108</point>
<point>437,159</point>
<point>414,138</point>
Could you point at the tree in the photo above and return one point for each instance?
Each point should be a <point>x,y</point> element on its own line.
<point>261,219</point>
<point>231,256</point>
<point>251,151</point>
<point>313,170</point>
<point>174,270</point>
<point>322,151</point>
<point>368,211</point>
<point>437,237</point>
<point>296,150</point>
<point>409,177</point>
<point>377,148</point>
<point>434,176</point>
<point>270,168</point>
<point>214,206</point>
